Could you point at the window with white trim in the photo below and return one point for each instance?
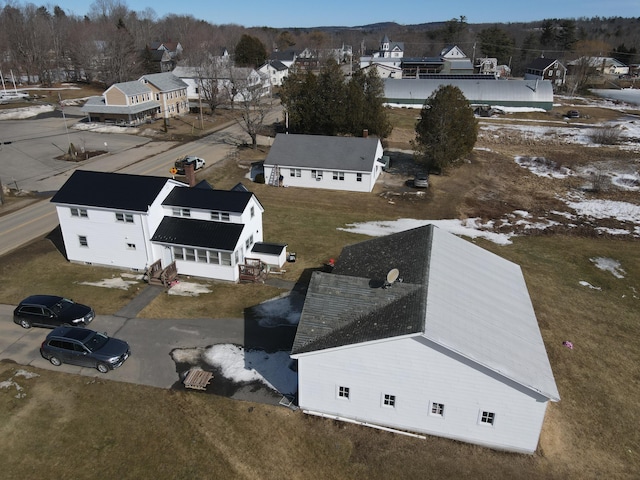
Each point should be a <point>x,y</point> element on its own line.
<point>437,409</point>
<point>338,176</point>
<point>358,177</point>
<point>131,246</point>
<point>181,212</point>
<point>79,212</point>
<point>253,212</point>
<point>220,216</point>
<point>487,418</point>
<point>389,400</point>
<point>295,172</point>
<point>343,392</point>
<point>317,174</point>
<point>124,217</point>
<point>82,240</point>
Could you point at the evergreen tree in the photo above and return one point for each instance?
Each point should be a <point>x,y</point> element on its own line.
<point>250,52</point>
<point>497,43</point>
<point>447,129</point>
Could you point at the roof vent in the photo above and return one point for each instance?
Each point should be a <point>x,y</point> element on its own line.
<point>392,276</point>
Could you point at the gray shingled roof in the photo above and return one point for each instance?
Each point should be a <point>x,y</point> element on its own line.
<point>165,82</point>
<point>467,300</point>
<point>97,105</point>
<point>325,152</point>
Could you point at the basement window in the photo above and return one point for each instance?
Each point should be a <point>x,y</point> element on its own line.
<point>487,418</point>
<point>343,392</point>
<point>437,409</point>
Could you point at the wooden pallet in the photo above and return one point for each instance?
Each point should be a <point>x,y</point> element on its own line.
<point>198,379</point>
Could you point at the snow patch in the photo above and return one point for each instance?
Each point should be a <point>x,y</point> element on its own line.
<point>609,265</point>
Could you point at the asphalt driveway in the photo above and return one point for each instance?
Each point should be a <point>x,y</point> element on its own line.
<point>151,341</point>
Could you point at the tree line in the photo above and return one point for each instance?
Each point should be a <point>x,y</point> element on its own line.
<point>48,44</point>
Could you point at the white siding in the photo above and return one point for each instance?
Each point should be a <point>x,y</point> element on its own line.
<point>346,180</point>
<point>418,373</point>
<point>109,242</point>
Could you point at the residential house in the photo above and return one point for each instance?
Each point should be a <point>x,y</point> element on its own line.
<point>158,61</point>
<point>602,65</point>
<point>174,49</point>
<point>422,331</point>
<point>318,161</point>
<point>169,91</point>
<point>287,57</point>
<point>127,104</point>
<point>153,96</point>
<point>389,53</point>
<point>451,62</point>
<point>136,222</point>
<point>274,72</point>
<point>546,69</point>
<point>232,83</point>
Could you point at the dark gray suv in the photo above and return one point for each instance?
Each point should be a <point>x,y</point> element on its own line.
<point>51,311</point>
<point>84,347</point>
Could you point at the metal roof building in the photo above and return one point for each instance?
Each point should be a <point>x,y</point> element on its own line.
<point>487,93</point>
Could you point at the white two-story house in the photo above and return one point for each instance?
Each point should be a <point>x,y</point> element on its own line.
<point>134,221</point>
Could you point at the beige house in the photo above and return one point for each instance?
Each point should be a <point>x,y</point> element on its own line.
<point>154,96</point>
<point>169,91</point>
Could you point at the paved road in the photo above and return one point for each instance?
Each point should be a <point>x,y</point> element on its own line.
<point>142,158</point>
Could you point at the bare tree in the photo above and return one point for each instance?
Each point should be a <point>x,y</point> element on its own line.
<point>252,109</point>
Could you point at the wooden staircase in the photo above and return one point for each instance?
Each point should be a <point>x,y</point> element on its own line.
<point>156,275</point>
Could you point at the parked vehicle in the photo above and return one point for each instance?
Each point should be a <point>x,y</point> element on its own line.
<point>421,180</point>
<point>573,114</point>
<point>84,347</point>
<point>197,162</point>
<point>51,311</point>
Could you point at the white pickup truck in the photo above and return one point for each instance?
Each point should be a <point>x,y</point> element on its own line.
<point>197,162</point>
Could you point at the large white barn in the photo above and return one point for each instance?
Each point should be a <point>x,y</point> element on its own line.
<point>422,331</point>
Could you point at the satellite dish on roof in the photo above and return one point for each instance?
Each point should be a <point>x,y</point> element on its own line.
<point>392,276</point>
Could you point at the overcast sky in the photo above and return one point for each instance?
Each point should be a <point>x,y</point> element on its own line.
<point>290,13</point>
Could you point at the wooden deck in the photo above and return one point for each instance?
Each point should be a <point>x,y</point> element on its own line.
<point>198,379</point>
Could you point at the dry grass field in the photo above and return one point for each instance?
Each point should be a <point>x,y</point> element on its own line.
<point>61,425</point>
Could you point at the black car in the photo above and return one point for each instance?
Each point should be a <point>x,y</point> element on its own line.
<point>51,311</point>
<point>84,347</point>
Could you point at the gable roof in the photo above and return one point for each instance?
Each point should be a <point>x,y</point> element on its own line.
<point>324,152</point>
<point>209,199</point>
<point>110,190</point>
<point>198,233</point>
<point>165,82</point>
<point>130,88</point>
<point>453,293</point>
<point>541,63</point>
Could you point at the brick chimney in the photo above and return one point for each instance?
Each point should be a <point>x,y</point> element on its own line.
<point>365,133</point>
<point>190,173</point>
